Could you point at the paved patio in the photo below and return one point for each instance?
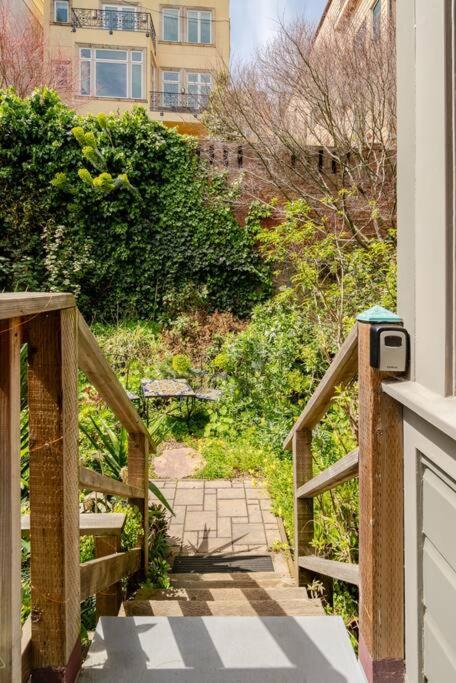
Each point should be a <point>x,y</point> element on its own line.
<point>220,516</point>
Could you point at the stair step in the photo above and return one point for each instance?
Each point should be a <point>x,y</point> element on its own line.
<point>230,581</point>
<point>221,649</point>
<point>238,577</point>
<point>222,608</point>
<point>210,594</point>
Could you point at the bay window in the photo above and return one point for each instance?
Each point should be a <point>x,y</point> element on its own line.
<point>112,73</point>
<point>199,27</point>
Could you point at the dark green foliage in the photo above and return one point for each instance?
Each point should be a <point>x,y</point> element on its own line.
<point>121,212</point>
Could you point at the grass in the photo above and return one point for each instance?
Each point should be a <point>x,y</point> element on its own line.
<point>231,459</point>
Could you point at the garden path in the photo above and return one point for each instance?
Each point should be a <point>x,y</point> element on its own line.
<point>221,517</point>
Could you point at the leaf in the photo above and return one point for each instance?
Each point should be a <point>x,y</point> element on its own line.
<point>156,491</point>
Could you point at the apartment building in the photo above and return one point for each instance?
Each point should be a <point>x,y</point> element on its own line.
<point>161,54</point>
<point>362,18</point>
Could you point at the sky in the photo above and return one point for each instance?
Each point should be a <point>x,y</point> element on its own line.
<point>254,22</point>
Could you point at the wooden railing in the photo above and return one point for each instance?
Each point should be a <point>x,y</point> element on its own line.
<point>379,465</point>
<point>59,342</point>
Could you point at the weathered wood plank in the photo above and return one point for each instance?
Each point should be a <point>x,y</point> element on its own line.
<point>54,494</point>
<point>303,508</point>
<point>90,524</point>
<point>17,304</point>
<point>381,515</point>
<point>341,371</point>
<point>343,470</point>
<point>98,371</point>
<point>138,476</point>
<point>343,571</point>
<point>26,650</point>
<point>108,600</point>
<point>10,503</point>
<point>94,481</point>
<point>99,574</point>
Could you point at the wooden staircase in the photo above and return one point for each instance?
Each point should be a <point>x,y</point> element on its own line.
<point>239,594</point>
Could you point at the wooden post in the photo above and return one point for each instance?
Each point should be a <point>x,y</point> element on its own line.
<point>108,602</point>
<point>303,513</point>
<point>381,648</point>
<point>10,502</point>
<point>138,475</point>
<point>54,496</point>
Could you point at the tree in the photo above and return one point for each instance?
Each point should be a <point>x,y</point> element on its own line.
<point>317,121</point>
<point>24,61</point>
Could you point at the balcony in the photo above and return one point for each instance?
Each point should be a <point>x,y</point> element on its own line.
<point>114,20</point>
<point>178,102</point>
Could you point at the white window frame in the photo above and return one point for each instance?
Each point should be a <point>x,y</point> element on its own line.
<point>199,82</point>
<point>66,3</point>
<point>120,9</point>
<point>93,61</point>
<point>179,28</point>
<point>178,83</point>
<point>199,20</point>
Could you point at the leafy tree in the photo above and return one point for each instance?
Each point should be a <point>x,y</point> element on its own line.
<point>119,210</point>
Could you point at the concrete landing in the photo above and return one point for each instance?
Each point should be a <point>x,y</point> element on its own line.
<point>221,650</point>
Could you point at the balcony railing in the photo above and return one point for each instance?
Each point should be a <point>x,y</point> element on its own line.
<point>178,102</point>
<point>114,20</point>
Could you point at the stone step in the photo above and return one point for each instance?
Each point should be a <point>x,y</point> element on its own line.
<point>222,608</point>
<point>210,594</point>
<point>235,580</point>
<point>221,650</point>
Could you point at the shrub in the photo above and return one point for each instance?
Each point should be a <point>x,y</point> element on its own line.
<point>119,210</point>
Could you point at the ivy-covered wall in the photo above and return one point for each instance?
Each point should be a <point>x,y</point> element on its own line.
<point>154,233</point>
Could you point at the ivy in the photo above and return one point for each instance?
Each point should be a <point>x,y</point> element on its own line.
<point>121,211</point>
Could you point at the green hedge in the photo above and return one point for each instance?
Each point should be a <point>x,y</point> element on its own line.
<point>160,235</point>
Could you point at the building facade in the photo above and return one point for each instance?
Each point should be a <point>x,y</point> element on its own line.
<point>361,18</point>
<point>161,54</point>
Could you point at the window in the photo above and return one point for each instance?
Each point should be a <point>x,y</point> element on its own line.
<point>171,24</point>
<point>171,88</point>
<point>112,73</point>
<point>199,85</point>
<point>61,11</point>
<point>119,17</point>
<point>199,27</point>
<point>377,20</point>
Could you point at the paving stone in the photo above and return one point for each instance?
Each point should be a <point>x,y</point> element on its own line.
<point>232,508</point>
<point>177,463</point>
<point>189,497</point>
<point>274,526</point>
<point>272,536</point>
<point>199,521</point>
<point>224,526</point>
<point>212,545</point>
<point>194,508</point>
<point>210,502</point>
<point>190,484</point>
<point>249,533</point>
<point>265,504</point>
<point>238,483</point>
<point>269,517</point>
<point>226,494</point>
<point>240,520</point>
<point>210,490</point>
<point>255,516</point>
<point>256,494</point>
<point>190,538</point>
<point>179,514</point>
<point>218,484</point>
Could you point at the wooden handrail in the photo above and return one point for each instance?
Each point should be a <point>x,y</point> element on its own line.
<point>342,571</point>
<point>99,574</point>
<point>18,304</point>
<point>98,371</point>
<point>90,524</point>
<point>341,371</point>
<point>343,470</point>
<point>94,481</point>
